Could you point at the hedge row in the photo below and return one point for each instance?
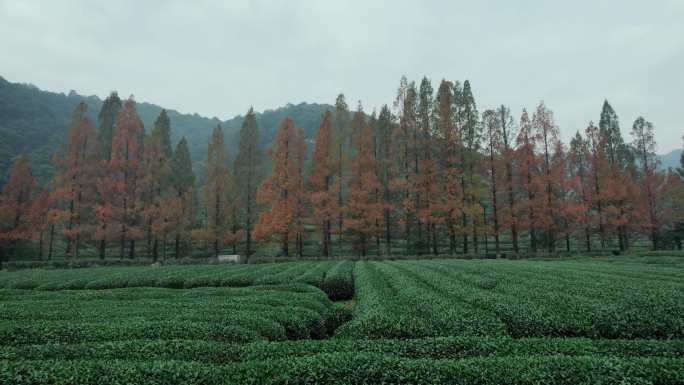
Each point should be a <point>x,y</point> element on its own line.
<point>451,348</point>
<point>335,276</point>
<point>392,304</point>
<point>221,314</point>
<point>353,368</point>
<point>410,299</point>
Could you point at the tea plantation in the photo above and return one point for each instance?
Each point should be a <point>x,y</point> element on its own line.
<point>590,321</point>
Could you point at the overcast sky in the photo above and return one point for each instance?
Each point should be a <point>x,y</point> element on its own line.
<point>217,58</point>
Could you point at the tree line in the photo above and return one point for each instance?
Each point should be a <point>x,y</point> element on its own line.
<point>431,175</point>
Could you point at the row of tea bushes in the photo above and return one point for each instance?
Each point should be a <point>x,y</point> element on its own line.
<point>353,368</point>
<point>335,276</point>
<point>221,314</point>
<point>408,299</point>
<point>445,348</point>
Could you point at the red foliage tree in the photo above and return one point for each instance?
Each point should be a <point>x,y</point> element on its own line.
<point>323,196</point>
<point>118,211</point>
<point>283,191</point>
<point>364,211</point>
<point>15,206</point>
<point>74,190</point>
<point>531,209</point>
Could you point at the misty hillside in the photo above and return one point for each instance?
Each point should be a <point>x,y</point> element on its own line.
<point>671,159</point>
<point>37,121</point>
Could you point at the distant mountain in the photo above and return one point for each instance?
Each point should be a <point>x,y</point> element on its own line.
<point>670,160</point>
<point>37,121</point>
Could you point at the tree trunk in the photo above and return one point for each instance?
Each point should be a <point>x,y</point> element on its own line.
<point>435,248</point>
<point>123,242</point>
<point>131,254</point>
<point>40,245</point>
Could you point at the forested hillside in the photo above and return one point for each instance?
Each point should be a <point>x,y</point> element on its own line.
<point>37,121</point>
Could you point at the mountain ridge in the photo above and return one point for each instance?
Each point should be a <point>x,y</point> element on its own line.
<point>37,121</point>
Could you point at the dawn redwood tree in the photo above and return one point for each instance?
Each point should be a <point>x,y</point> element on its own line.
<point>546,134</point>
<point>508,135</point>
<point>406,155</point>
<point>40,221</point>
<point>563,206</point>
<point>580,172</point>
<point>323,196</point>
<point>74,191</point>
<point>426,181</point>
<point>445,128</point>
<point>470,135</point>
<point>216,190</point>
<point>528,169</point>
<point>598,169</point>
<point>644,146</point>
<point>363,209</point>
<point>248,171</point>
<point>282,191</point>
<point>340,149</point>
<point>15,206</point>
<point>183,184</point>
<point>118,187</point>
<point>111,107</point>
<point>386,169</point>
<point>155,185</point>
<point>493,138</point>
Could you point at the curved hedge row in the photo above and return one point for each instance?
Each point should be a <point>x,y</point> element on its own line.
<point>353,368</point>
<point>221,314</point>
<point>335,277</point>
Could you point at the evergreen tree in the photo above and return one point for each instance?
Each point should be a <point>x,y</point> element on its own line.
<point>341,146</point>
<point>216,190</point>
<point>155,185</point>
<point>183,183</point>
<point>386,169</point>
<point>248,171</point>
<point>620,161</point>
<point>470,135</point>
<point>107,124</point>
<point>162,130</point>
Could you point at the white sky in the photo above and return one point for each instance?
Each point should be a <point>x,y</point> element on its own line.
<point>217,58</point>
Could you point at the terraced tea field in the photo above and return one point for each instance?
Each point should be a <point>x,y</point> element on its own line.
<point>415,321</point>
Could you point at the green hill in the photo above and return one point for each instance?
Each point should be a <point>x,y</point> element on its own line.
<point>35,120</point>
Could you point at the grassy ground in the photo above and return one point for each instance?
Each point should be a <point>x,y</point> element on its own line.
<point>579,320</point>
